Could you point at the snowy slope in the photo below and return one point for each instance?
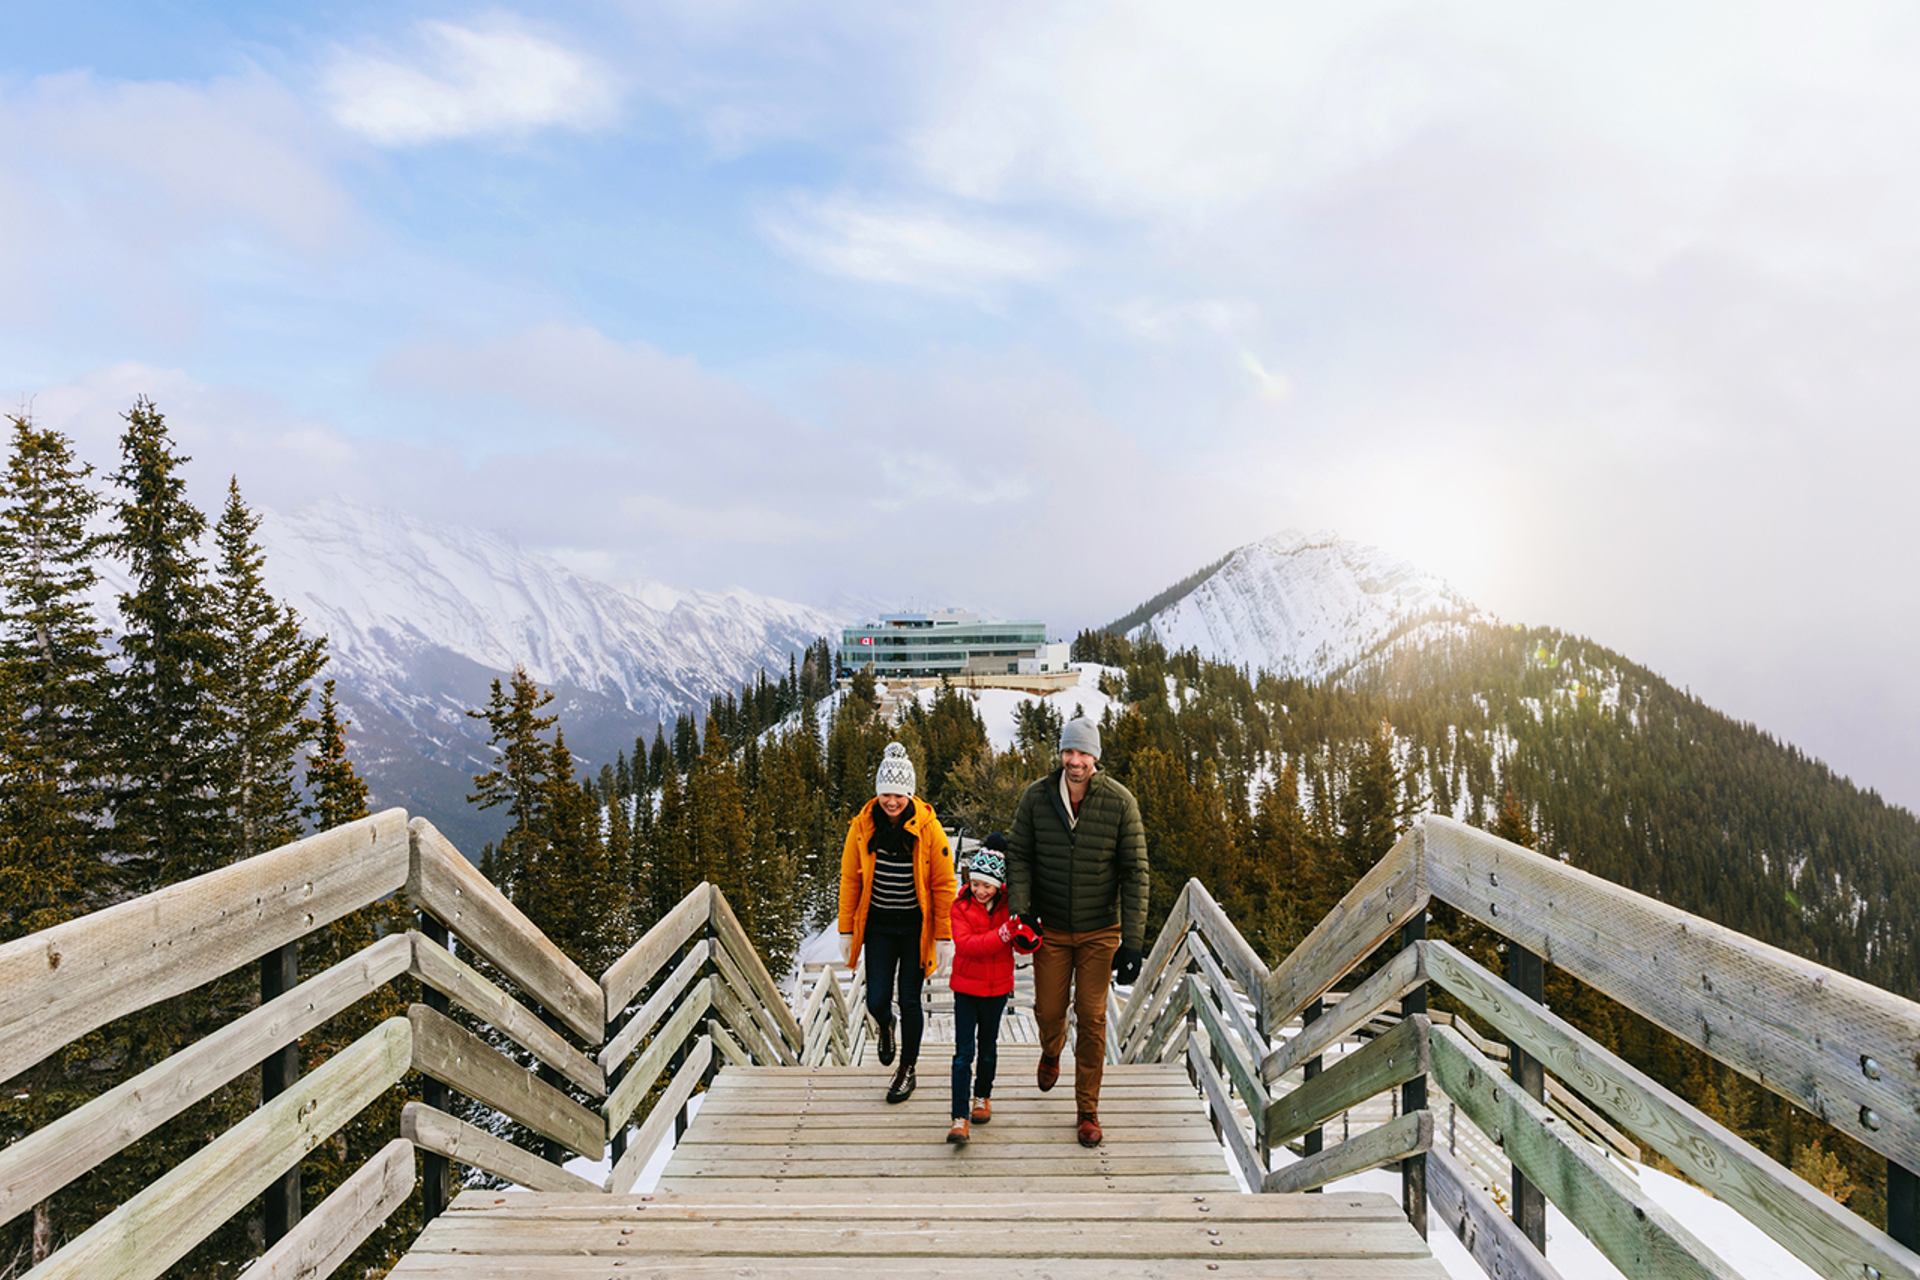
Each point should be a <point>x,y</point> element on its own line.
<point>385,587</point>
<point>1304,605</point>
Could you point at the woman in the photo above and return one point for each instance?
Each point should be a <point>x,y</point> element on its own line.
<point>896,899</point>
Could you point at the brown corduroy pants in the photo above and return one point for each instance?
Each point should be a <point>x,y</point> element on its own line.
<point>1080,964</point>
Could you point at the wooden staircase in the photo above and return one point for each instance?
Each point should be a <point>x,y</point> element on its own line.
<point>807,1171</point>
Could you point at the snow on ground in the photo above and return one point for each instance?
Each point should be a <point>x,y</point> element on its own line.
<point>997,706</point>
<point>1743,1246</point>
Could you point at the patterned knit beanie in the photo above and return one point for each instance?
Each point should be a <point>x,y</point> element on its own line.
<point>988,865</point>
<point>896,773</point>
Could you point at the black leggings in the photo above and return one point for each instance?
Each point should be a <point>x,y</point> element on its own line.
<point>893,966</point>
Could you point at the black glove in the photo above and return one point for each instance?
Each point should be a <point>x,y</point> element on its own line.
<point>1126,964</point>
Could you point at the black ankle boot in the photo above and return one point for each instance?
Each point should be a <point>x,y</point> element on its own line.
<point>886,1043</point>
<point>902,1087</point>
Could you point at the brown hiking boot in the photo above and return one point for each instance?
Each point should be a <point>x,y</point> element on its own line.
<point>958,1133</point>
<point>982,1110</point>
<point>1089,1129</point>
<point>1049,1072</point>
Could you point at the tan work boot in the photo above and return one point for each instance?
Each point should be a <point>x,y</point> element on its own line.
<point>982,1110</point>
<point>958,1133</point>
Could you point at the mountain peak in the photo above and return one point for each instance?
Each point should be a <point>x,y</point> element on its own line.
<point>1294,603</point>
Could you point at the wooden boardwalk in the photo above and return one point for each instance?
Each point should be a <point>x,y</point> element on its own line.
<point>801,1171</point>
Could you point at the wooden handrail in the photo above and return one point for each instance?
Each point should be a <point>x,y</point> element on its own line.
<point>1836,1046</point>
<point>1409,1135</point>
<point>60,983</point>
<point>1386,897</point>
<point>1815,1228</point>
<point>1625,1223</point>
<point>1393,980</point>
<point>1393,1059</point>
<point>628,976</point>
<point>441,881</point>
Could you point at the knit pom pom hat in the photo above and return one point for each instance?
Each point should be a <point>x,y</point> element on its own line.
<point>896,777</point>
<point>989,866</point>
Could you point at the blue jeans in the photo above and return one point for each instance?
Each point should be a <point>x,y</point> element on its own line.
<point>893,966</point>
<point>975,1018</point>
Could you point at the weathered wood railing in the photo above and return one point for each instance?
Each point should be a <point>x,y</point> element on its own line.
<point>64,982</point>
<point>1842,1049</point>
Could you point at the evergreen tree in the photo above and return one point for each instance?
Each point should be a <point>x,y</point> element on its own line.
<point>53,689</point>
<point>264,670</point>
<point>519,777</point>
<point>336,794</point>
<point>165,722</point>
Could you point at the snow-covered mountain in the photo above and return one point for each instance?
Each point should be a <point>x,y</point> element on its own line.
<point>420,619</point>
<point>1309,605</point>
<point>387,588</point>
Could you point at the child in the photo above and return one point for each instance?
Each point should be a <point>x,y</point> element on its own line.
<point>983,934</point>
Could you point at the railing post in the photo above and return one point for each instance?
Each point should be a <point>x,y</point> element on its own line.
<point>1413,1094</point>
<point>436,1180</point>
<point>1527,973</point>
<point>555,1151</point>
<point>1261,1145</point>
<point>1310,1144</point>
<point>279,974</point>
<point>1903,1205</point>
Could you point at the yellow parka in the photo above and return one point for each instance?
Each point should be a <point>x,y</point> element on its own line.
<point>932,878</point>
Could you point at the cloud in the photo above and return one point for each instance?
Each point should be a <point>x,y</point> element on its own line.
<point>917,245</point>
<point>460,82</point>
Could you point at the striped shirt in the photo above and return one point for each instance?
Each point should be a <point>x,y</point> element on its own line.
<point>895,906</point>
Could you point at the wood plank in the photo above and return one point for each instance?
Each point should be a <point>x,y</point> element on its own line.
<point>441,881</point>
<point>1493,1239</point>
<point>1386,897</point>
<point>1223,940</point>
<point>894,1204</point>
<point>457,1058</point>
<point>648,1015</point>
<point>771,1030</point>
<point>479,1233</point>
<point>641,1266</point>
<point>330,1231</point>
<point>1799,1028</point>
<point>463,984</point>
<point>927,1140</point>
<point>1814,1228</point>
<point>751,1035</point>
<point>162,1223</point>
<point>727,1045</point>
<point>42,1162</point>
<point>1173,1015</point>
<point>1215,1089</point>
<point>1394,979</point>
<point>60,983</point>
<point>1170,936</point>
<point>628,976</point>
<point>728,926</point>
<point>1245,1076</point>
<point>1226,1001</point>
<point>1409,1135</point>
<point>950,1162</point>
<point>934,1096</point>
<point>1635,1233</point>
<point>1166,986</point>
<point>1029,1184</point>
<point>632,1088</point>
<point>659,1121</point>
<point>434,1130</point>
<point>1393,1059</point>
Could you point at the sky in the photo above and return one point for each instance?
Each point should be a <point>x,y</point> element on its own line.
<point>1605,313</point>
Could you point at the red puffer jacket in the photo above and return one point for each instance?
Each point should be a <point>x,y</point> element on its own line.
<point>982,964</point>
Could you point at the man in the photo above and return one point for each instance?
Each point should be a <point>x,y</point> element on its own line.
<point>1077,859</point>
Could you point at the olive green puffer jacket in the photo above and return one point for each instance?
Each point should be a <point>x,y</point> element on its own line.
<point>1080,877</point>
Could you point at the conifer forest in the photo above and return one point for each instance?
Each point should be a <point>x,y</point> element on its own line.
<point>196,726</point>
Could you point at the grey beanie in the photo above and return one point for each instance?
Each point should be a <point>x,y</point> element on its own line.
<point>896,776</point>
<point>1081,734</point>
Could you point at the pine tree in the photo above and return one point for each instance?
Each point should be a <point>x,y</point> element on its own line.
<point>53,689</point>
<point>336,793</point>
<point>264,672</point>
<point>165,721</point>
<point>519,777</point>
